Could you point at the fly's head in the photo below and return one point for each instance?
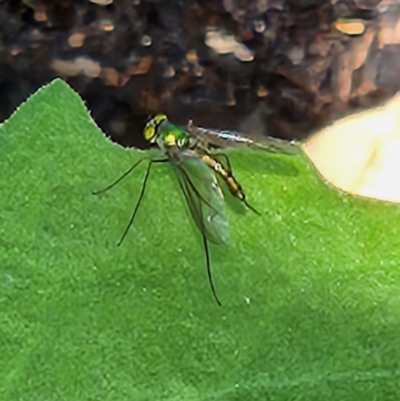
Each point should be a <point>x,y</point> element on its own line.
<point>151,131</point>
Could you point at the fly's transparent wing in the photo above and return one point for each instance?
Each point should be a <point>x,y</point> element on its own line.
<point>202,193</point>
<point>209,138</point>
<point>276,145</point>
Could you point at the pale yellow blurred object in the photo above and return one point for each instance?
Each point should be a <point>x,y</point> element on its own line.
<point>360,153</point>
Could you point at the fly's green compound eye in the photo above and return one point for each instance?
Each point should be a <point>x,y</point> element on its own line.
<point>150,130</point>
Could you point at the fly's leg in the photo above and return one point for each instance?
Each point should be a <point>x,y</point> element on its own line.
<point>119,179</point>
<point>142,192</point>
<point>252,208</point>
<point>208,264</point>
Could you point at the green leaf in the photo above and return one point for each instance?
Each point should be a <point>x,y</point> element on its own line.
<point>310,290</point>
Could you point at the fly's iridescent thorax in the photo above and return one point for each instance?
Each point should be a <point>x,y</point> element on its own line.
<point>173,136</point>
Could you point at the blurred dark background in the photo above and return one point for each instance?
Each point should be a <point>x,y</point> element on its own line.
<point>276,67</point>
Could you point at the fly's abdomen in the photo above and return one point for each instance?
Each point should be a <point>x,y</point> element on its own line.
<point>226,174</point>
<point>234,187</point>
